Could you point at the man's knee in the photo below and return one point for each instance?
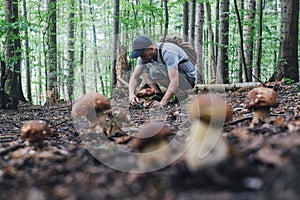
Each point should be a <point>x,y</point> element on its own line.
<point>156,75</point>
<point>158,72</point>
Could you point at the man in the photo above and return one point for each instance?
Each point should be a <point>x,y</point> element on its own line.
<point>169,67</point>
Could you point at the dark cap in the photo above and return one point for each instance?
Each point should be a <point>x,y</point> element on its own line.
<point>139,44</point>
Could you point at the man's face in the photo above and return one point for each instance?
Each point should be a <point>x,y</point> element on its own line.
<point>147,55</point>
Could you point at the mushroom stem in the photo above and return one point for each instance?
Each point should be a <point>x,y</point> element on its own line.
<point>101,120</point>
<point>207,147</point>
<point>260,115</point>
<point>154,155</point>
<point>113,128</point>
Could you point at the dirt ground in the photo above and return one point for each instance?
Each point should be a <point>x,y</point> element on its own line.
<point>264,161</point>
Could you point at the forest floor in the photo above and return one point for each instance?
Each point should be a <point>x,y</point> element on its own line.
<point>265,162</point>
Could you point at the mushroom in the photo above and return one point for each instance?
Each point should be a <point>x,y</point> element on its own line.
<point>119,117</point>
<point>145,92</point>
<point>206,146</point>
<point>35,131</point>
<point>150,139</point>
<point>260,100</point>
<point>91,106</point>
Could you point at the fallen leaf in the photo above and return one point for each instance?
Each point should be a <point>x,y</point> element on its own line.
<point>280,122</point>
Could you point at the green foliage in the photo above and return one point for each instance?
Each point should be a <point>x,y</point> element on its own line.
<point>288,81</point>
<point>136,17</point>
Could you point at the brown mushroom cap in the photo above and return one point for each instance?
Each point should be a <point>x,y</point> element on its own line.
<point>119,114</point>
<point>145,92</point>
<point>88,104</point>
<point>150,133</point>
<point>34,130</point>
<point>210,107</point>
<point>261,97</point>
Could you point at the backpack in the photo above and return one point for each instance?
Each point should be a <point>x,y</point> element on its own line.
<point>186,46</point>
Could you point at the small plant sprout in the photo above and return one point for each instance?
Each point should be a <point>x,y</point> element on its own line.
<point>151,142</point>
<point>259,101</point>
<point>206,147</point>
<point>92,107</point>
<point>34,131</point>
<point>119,117</point>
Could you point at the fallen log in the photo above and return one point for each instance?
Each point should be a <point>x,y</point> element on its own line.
<point>225,87</point>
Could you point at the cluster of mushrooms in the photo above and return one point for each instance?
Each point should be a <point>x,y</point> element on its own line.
<point>95,107</point>
<point>205,147</point>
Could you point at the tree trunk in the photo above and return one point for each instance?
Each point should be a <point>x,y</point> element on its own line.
<point>242,53</point>
<point>81,54</point>
<point>222,76</point>
<point>17,53</point>
<point>27,62</point>
<point>211,42</point>
<point>52,84</point>
<point>71,54</point>
<point>166,30</point>
<point>192,22</point>
<point>259,45</point>
<point>288,66</point>
<point>185,28</point>
<point>97,69</point>
<point>199,42</point>
<point>217,26</point>
<point>249,37</point>
<point>12,55</point>
<point>115,43</point>
<point>122,67</point>
<point>3,95</point>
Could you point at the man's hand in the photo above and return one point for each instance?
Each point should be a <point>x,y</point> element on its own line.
<point>156,104</point>
<point>134,100</point>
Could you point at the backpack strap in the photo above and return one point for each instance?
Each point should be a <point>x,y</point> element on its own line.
<point>160,52</point>
<point>161,56</point>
